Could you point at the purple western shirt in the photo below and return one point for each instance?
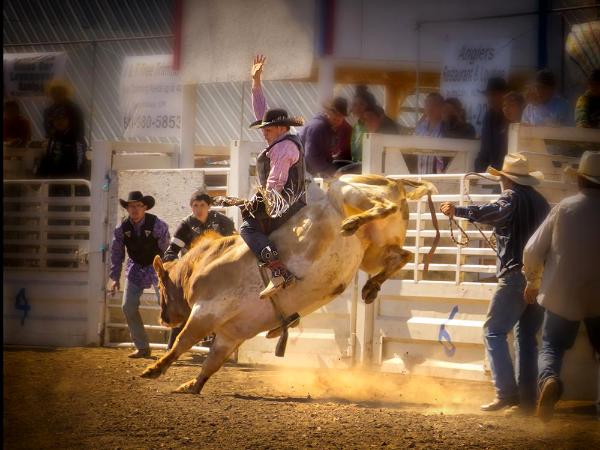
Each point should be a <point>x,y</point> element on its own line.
<point>142,276</point>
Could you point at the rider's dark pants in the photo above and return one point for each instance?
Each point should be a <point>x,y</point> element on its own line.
<point>255,230</point>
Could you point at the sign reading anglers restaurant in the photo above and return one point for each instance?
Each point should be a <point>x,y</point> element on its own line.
<point>26,74</point>
<point>467,67</point>
<point>150,97</point>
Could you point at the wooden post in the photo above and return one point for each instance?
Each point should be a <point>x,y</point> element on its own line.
<point>101,161</point>
<point>365,315</point>
<point>372,156</point>
<point>326,81</point>
<point>188,124</point>
<point>238,183</point>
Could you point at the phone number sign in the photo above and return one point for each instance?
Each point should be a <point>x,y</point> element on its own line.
<point>150,97</point>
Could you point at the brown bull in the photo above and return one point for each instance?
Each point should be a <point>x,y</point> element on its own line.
<point>359,223</point>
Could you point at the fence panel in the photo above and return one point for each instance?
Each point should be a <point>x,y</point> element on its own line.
<point>46,236</point>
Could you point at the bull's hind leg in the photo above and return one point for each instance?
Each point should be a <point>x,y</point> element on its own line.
<point>373,207</point>
<point>394,258</point>
<point>223,346</point>
<point>193,331</point>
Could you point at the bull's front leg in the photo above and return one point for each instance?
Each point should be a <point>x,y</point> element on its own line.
<point>394,258</point>
<point>223,346</point>
<point>193,331</point>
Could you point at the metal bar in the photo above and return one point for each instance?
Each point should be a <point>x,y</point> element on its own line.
<point>506,16</point>
<point>90,41</point>
<point>93,90</point>
<point>194,349</point>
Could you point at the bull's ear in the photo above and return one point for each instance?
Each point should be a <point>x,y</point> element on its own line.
<point>158,266</point>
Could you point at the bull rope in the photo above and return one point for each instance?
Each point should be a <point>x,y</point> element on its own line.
<point>453,222</point>
<point>434,221</point>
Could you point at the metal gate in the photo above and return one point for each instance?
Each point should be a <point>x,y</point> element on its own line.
<point>46,237</point>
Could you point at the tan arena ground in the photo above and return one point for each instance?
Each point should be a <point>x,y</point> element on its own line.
<point>93,398</point>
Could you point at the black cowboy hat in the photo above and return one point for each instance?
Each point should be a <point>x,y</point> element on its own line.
<point>137,196</point>
<point>338,105</point>
<point>277,117</point>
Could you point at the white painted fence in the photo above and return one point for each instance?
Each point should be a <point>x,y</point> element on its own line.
<point>421,323</point>
<point>46,245</point>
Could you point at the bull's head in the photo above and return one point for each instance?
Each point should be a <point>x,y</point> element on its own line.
<point>174,309</point>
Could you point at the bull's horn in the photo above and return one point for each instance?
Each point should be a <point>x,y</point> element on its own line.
<point>158,266</point>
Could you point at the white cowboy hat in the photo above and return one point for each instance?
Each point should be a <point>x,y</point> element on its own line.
<point>589,167</point>
<point>516,168</point>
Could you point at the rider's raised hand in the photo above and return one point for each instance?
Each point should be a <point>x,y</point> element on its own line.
<point>257,68</point>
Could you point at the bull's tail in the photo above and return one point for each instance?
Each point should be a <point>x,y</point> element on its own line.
<point>424,188</point>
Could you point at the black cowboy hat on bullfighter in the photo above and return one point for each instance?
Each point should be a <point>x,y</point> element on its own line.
<point>137,196</point>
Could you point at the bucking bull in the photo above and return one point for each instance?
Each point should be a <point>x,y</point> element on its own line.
<point>360,222</point>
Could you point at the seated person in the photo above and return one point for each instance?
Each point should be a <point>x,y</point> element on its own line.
<point>376,121</point>
<point>454,121</point>
<point>587,109</point>
<point>546,107</point>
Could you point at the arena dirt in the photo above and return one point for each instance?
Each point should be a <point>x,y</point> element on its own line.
<point>93,398</point>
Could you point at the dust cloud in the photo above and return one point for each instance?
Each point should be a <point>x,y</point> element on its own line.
<point>428,395</point>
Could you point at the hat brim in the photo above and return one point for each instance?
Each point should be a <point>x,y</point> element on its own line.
<point>532,179</point>
<point>147,200</point>
<point>289,122</point>
<point>572,171</point>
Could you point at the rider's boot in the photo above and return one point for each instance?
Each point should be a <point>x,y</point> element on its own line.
<point>281,277</point>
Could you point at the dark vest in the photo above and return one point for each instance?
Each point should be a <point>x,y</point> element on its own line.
<point>295,187</point>
<point>143,248</point>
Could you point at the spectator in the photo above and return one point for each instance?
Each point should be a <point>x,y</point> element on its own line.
<point>17,129</point>
<point>454,121</point>
<point>193,226</point>
<point>494,127</point>
<point>319,138</point>
<point>514,216</point>
<point>362,100</point>
<point>561,266</point>
<point>430,125</point>
<point>64,126</point>
<point>376,121</point>
<point>587,109</point>
<point>144,236</point>
<point>336,112</point>
<point>512,107</point>
<point>546,108</point>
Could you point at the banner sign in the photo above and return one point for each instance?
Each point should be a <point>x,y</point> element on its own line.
<point>26,74</point>
<point>467,67</point>
<point>150,97</point>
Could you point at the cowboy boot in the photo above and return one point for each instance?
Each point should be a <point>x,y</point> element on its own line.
<point>280,276</point>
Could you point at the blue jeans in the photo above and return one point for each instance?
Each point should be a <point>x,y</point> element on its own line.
<point>558,336</point>
<point>509,310</point>
<point>131,308</point>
